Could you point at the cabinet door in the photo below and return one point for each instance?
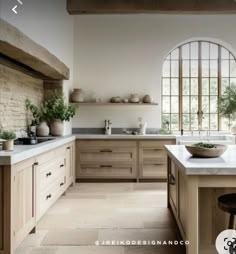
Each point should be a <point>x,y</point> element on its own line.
<point>173,186</point>
<point>23,200</point>
<point>70,164</point>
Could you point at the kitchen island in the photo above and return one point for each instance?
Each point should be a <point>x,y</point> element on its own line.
<point>194,184</point>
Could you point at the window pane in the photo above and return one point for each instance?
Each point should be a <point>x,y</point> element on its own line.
<point>194,68</point>
<point>194,121</point>
<point>174,104</point>
<point>205,121</point>
<point>194,50</point>
<point>213,86</point>
<point>205,68</point>
<point>185,86</point>
<point>166,104</point>
<point>232,57</point>
<point>194,104</point>
<point>225,123</point>
<point>166,69</point>
<point>225,68</point>
<point>213,122</point>
<point>166,86</point>
<point>205,50</point>
<point>174,68</point>
<point>205,104</point>
<point>168,57</point>
<point>175,54</point>
<point>213,68</point>
<point>213,51</point>
<point>185,68</point>
<point>185,51</point>
<point>174,86</point>
<point>205,86</point>
<point>186,122</point>
<point>213,104</point>
<point>233,68</point>
<point>194,86</point>
<point>185,104</point>
<point>174,121</point>
<point>224,84</point>
<point>233,81</point>
<point>224,53</point>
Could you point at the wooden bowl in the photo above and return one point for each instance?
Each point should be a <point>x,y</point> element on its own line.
<point>203,152</point>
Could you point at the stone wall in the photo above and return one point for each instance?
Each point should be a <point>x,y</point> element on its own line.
<point>15,87</point>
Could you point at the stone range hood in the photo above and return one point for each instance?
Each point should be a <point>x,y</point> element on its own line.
<point>19,52</point>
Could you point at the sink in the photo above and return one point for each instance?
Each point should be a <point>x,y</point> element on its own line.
<point>216,139</point>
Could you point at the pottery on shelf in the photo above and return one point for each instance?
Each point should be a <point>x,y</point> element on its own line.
<point>56,127</point>
<point>77,95</point>
<point>42,130</point>
<point>116,99</point>
<point>134,98</point>
<point>147,99</point>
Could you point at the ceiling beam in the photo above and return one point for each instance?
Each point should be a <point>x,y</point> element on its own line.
<point>150,6</point>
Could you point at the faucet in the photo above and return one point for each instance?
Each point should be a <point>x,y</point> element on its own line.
<point>108,125</point>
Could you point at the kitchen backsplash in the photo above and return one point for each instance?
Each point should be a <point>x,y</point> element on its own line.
<point>15,87</point>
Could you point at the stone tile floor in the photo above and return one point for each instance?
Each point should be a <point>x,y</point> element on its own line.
<point>91,212</point>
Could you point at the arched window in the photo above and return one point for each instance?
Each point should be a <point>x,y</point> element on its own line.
<point>194,75</point>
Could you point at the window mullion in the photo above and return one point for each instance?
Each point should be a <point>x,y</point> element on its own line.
<point>199,86</point>
<point>219,84</point>
<point>180,88</point>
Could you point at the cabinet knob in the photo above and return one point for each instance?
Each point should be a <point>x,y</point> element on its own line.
<point>36,163</point>
<point>48,174</point>
<point>171,179</point>
<point>48,196</point>
<point>61,184</point>
<point>68,148</point>
<point>62,165</point>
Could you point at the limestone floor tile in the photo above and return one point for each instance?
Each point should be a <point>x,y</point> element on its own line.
<point>44,250</point>
<point>34,240</point>
<point>72,237</point>
<point>138,235</point>
<point>23,250</point>
<point>155,250</point>
<point>91,250</point>
<point>157,186</point>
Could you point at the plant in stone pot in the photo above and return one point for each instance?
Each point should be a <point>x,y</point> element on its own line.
<point>58,112</point>
<point>8,137</point>
<point>39,114</point>
<point>227,105</point>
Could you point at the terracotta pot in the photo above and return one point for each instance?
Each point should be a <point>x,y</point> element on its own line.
<point>42,130</point>
<point>56,127</point>
<point>8,145</point>
<point>77,95</point>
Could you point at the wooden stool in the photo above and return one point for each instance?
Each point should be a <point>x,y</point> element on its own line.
<point>227,203</point>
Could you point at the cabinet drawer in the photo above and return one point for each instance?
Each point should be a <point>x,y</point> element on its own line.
<point>107,171</point>
<point>47,157</point>
<point>104,144</point>
<point>48,197</point>
<point>154,170</point>
<point>154,155</point>
<point>157,143</point>
<point>50,172</point>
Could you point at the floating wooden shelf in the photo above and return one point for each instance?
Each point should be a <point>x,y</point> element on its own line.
<point>113,104</point>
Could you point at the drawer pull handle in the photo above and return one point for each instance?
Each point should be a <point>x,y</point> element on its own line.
<point>105,166</point>
<point>62,165</point>
<point>106,151</point>
<point>171,179</point>
<point>36,164</point>
<point>48,174</point>
<point>48,196</point>
<point>61,184</point>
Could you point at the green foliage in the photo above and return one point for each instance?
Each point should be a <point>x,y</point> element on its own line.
<point>7,135</point>
<point>56,108</point>
<point>165,131</point>
<point>39,113</point>
<point>227,103</point>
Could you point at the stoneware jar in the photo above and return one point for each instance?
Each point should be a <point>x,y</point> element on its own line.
<point>77,95</point>
<point>8,145</point>
<point>42,130</point>
<point>56,127</point>
<point>134,98</point>
<point>147,99</point>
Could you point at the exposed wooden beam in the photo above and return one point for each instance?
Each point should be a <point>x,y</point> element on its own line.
<point>150,6</point>
<point>19,48</point>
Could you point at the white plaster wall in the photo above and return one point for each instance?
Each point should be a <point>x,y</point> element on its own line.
<point>48,23</point>
<point>123,54</point>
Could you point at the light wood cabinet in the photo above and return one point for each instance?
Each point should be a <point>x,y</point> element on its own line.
<point>70,164</point>
<point>153,159</point>
<point>106,159</point>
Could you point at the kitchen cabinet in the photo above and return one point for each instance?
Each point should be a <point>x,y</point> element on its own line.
<point>106,159</point>
<point>70,164</point>
<point>153,159</point>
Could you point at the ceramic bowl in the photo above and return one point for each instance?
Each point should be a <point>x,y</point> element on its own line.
<point>203,152</point>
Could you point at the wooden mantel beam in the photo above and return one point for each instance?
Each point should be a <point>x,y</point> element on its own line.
<point>150,6</point>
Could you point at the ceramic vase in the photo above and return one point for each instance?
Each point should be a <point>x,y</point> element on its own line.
<point>77,95</point>
<point>42,130</point>
<point>8,145</point>
<point>56,127</point>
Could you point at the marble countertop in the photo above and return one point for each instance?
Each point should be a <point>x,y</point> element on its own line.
<point>22,152</point>
<point>124,136</point>
<point>223,165</point>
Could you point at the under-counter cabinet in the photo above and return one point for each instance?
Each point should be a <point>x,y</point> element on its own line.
<point>28,189</point>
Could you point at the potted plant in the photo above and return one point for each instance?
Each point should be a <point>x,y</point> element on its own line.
<point>40,117</point>
<point>8,136</point>
<point>227,105</point>
<point>58,112</point>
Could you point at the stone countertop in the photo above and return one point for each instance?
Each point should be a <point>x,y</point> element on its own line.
<point>223,165</point>
<point>23,152</point>
<point>124,136</point>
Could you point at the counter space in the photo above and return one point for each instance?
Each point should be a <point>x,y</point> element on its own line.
<point>22,152</point>
<point>223,165</point>
<point>124,136</point>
